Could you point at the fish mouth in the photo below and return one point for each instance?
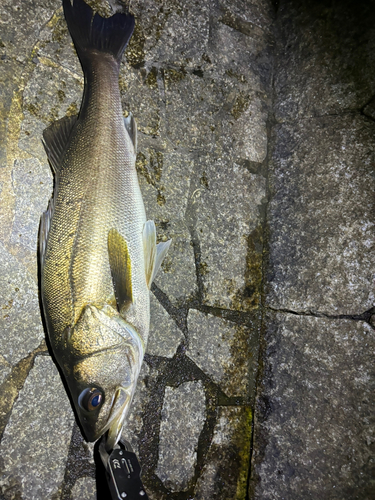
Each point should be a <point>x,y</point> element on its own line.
<point>120,406</point>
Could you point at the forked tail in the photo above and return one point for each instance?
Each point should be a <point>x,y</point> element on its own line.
<point>94,33</point>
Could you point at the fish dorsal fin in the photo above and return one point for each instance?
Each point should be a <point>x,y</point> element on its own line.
<point>56,138</point>
<point>120,264</point>
<point>154,253</point>
<point>131,127</point>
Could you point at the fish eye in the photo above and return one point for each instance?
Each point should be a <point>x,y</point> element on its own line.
<point>91,399</point>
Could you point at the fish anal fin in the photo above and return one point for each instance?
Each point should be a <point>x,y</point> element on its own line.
<point>131,127</point>
<point>154,254</point>
<point>56,138</point>
<point>120,264</point>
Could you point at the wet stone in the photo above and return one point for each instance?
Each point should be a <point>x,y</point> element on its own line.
<point>369,109</point>
<point>134,421</point>
<point>222,351</point>
<point>55,48</point>
<point>182,420</point>
<point>5,369</point>
<point>61,94</point>
<point>245,56</point>
<point>228,215</point>
<point>172,32</point>
<point>36,439</point>
<point>322,230</point>
<point>84,488</point>
<point>177,277</point>
<point>191,109</point>
<point>164,178</point>
<point>224,476</point>
<point>254,12</point>
<point>142,98</point>
<point>316,427</point>
<point>245,128</point>
<point>21,24</point>
<point>164,336</point>
<point>319,69</point>
<point>20,323</point>
<point>32,185</point>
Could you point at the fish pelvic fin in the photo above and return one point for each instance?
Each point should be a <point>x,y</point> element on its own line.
<point>94,33</point>
<point>120,264</point>
<point>154,253</point>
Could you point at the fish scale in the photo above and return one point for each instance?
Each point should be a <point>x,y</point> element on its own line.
<point>98,253</point>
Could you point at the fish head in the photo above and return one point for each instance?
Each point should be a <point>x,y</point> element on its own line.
<point>104,354</point>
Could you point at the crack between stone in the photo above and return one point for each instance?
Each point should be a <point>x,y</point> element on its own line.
<point>292,121</point>
<point>14,382</point>
<point>179,315</point>
<point>271,123</point>
<point>238,317</point>
<point>365,316</point>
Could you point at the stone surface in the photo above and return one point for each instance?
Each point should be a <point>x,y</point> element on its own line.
<point>134,423</point>
<point>177,278</point>
<point>314,426</point>
<point>177,33</point>
<point>322,231</point>
<point>315,430</point>
<point>324,59</point>
<point>20,25</point>
<point>84,487</point>
<point>197,78</point>
<point>165,336</point>
<point>369,109</point>
<point>224,477</point>
<point>35,443</point>
<point>32,186</point>
<point>61,93</point>
<point>20,321</point>
<point>165,177</point>
<point>5,368</point>
<point>182,420</point>
<point>222,350</point>
<point>228,216</point>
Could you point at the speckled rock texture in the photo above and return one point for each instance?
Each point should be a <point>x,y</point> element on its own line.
<point>256,156</point>
<point>314,419</point>
<point>316,427</point>
<point>197,78</point>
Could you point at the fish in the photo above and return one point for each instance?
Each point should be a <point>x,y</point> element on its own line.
<point>97,252</point>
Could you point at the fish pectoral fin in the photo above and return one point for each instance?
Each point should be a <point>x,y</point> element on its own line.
<point>120,264</point>
<point>56,138</point>
<point>131,127</point>
<point>154,253</point>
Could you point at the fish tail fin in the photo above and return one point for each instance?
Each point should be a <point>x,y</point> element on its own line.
<point>95,33</point>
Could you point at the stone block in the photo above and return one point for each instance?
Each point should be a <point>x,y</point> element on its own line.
<point>228,229</point>
<point>224,351</point>
<point>36,440</point>
<point>315,417</point>
<point>182,420</point>
<point>224,475</point>
<point>322,230</point>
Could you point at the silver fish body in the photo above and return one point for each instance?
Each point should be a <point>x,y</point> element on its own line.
<point>98,255</point>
